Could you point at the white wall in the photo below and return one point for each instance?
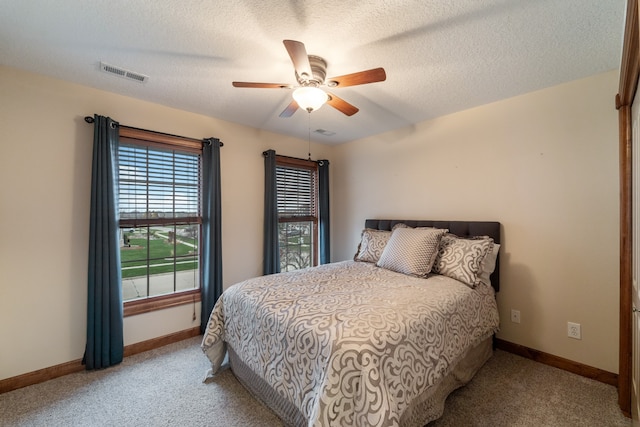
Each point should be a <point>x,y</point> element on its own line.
<point>45,174</point>
<point>545,165</point>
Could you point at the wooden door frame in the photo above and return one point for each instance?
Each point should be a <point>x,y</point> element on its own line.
<point>629,70</point>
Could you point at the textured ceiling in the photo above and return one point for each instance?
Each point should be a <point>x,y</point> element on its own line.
<point>441,56</point>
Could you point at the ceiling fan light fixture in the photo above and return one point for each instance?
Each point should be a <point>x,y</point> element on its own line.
<point>310,98</point>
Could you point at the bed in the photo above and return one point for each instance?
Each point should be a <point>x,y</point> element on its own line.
<point>373,341</point>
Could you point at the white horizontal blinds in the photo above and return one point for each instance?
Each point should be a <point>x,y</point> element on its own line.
<point>296,190</point>
<point>158,186</point>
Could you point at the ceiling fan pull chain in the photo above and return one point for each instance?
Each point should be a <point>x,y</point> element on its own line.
<point>309,135</point>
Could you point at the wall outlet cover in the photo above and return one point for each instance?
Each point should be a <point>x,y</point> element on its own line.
<point>574,330</point>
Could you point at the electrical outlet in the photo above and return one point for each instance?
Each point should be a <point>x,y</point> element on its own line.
<point>515,316</point>
<point>574,330</point>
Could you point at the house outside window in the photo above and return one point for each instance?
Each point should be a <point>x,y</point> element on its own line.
<point>297,196</point>
<point>160,222</point>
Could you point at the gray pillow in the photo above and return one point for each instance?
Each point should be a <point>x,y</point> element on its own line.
<point>372,243</point>
<point>411,250</point>
<point>462,259</point>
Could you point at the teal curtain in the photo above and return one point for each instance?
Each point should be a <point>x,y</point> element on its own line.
<point>271,253</point>
<point>211,288</point>
<point>323,211</point>
<point>105,344</point>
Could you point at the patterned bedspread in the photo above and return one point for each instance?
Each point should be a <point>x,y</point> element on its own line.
<point>350,343</point>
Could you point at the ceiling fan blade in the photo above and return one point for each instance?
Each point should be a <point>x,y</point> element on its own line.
<point>341,105</point>
<point>360,78</point>
<point>291,108</point>
<point>299,57</point>
<point>262,85</point>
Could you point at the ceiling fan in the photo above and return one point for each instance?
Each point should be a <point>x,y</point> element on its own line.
<point>311,73</point>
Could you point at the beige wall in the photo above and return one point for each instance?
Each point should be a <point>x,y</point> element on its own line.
<point>45,174</point>
<point>545,165</point>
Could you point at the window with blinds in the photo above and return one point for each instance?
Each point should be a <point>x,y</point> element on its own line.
<point>159,206</point>
<point>296,192</point>
<point>297,196</point>
<point>158,186</point>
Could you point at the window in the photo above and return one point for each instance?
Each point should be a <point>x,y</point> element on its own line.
<point>160,221</point>
<point>297,194</point>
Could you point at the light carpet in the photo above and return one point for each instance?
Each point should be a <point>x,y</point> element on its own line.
<point>164,387</point>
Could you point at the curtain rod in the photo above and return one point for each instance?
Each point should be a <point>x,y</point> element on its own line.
<point>320,162</point>
<point>90,119</point>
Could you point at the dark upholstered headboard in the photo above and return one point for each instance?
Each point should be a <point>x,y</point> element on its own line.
<point>459,228</point>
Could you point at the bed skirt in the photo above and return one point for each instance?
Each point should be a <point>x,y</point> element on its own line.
<point>425,409</point>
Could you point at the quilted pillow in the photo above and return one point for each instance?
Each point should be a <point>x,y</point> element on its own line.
<point>461,259</point>
<point>372,243</point>
<point>411,250</point>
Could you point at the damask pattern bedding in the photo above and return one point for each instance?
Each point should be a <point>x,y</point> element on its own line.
<point>350,343</point>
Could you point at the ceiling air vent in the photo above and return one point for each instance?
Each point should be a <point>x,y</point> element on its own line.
<point>118,71</point>
<point>324,132</point>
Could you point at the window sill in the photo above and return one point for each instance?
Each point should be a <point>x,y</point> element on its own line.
<point>132,308</point>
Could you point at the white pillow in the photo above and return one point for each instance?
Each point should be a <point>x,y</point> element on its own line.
<point>489,265</point>
<point>411,250</point>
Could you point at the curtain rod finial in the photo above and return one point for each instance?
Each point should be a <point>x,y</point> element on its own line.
<point>88,119</point>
